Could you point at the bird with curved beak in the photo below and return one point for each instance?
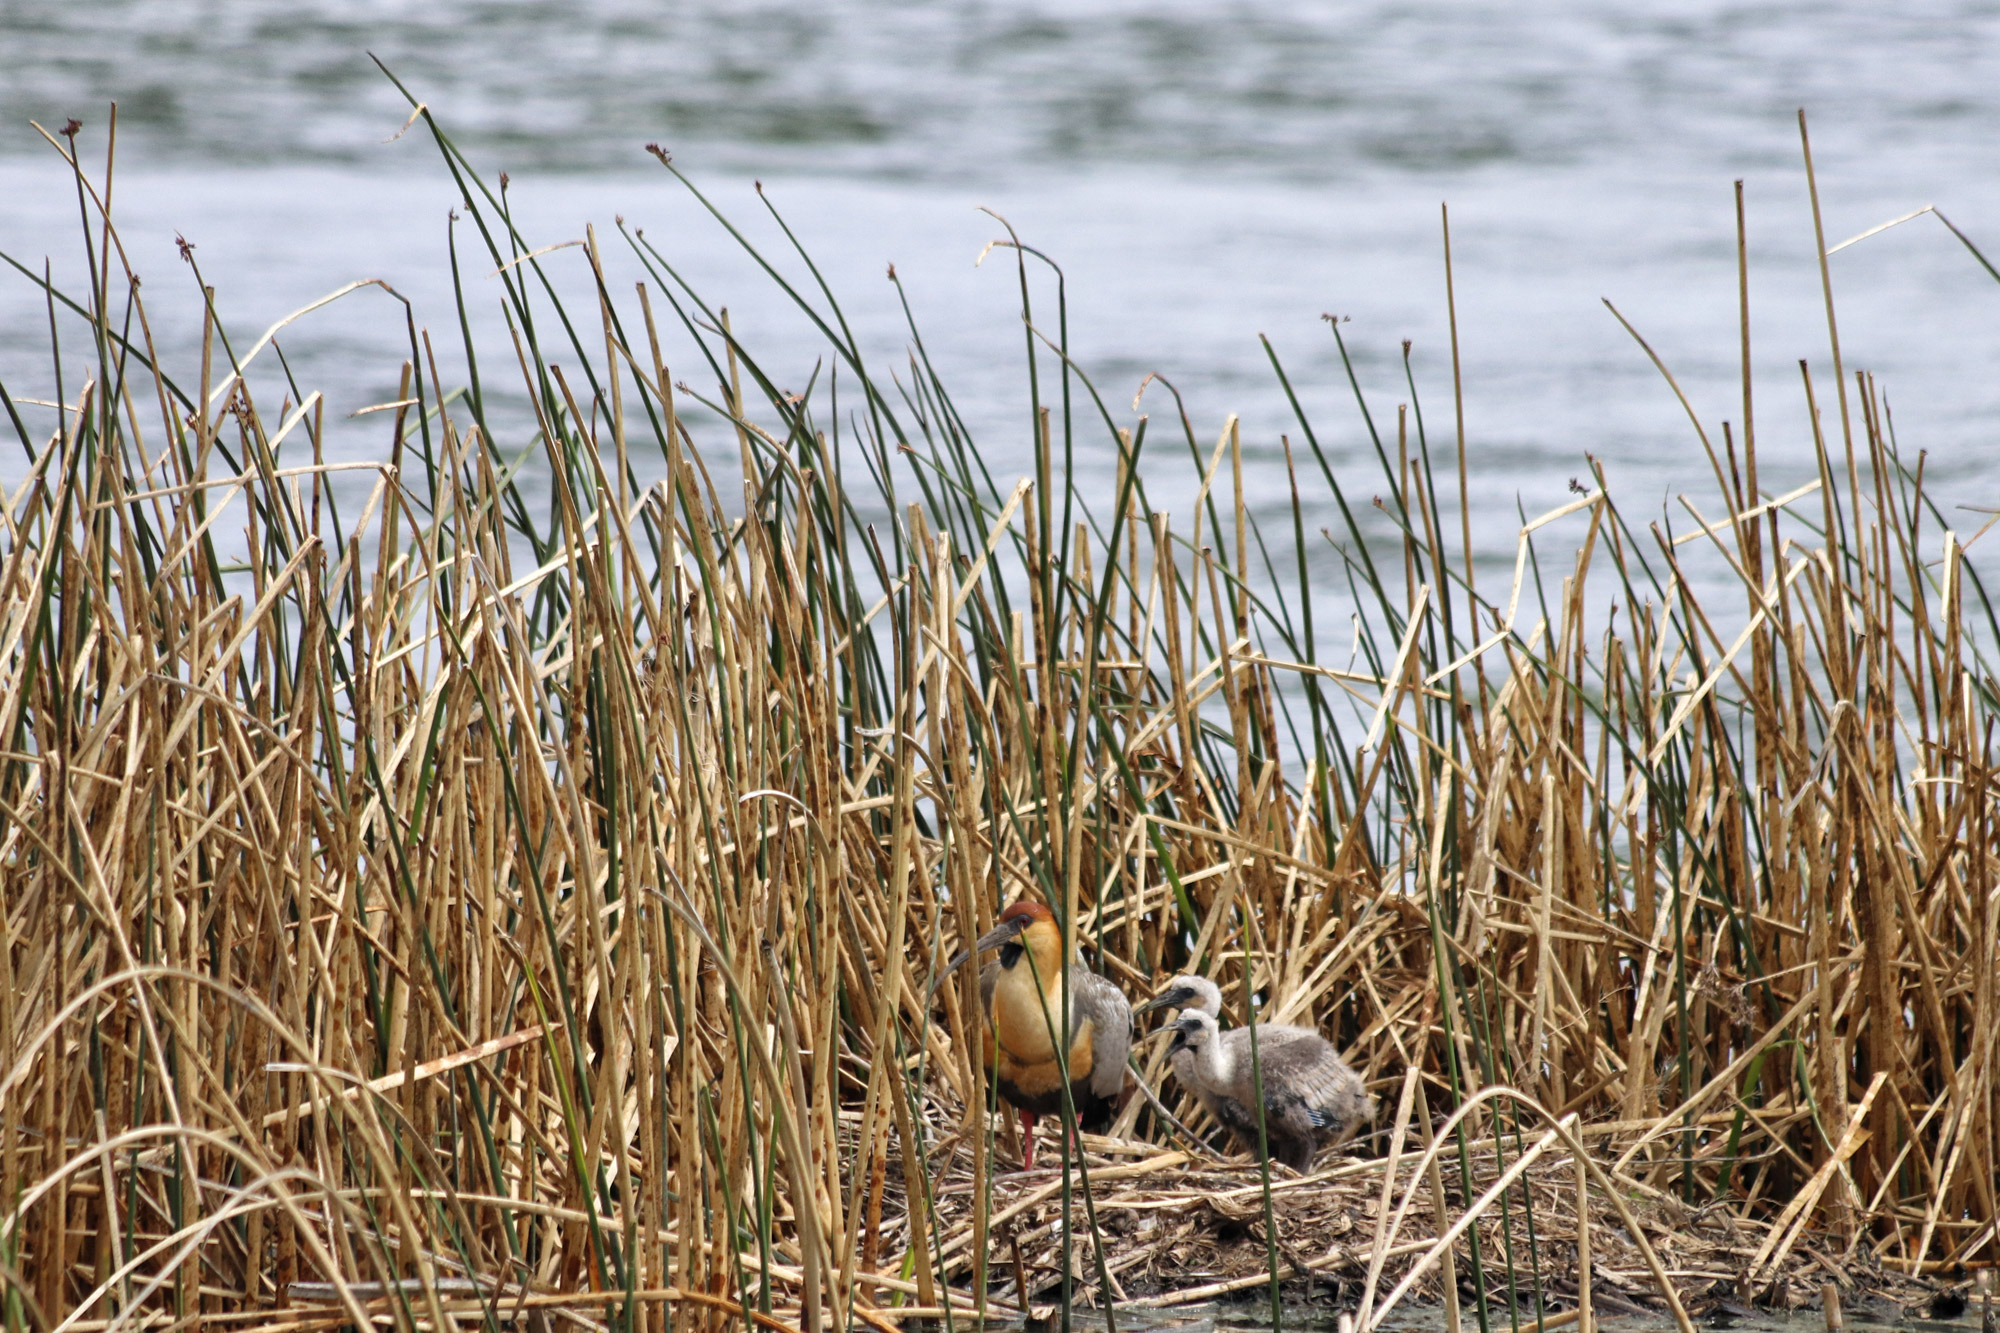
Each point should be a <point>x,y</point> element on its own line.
<point>1021,992</point>
<point>1311,1098</point>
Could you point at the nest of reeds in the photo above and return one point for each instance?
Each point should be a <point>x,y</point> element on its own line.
<point>1176,1227</point>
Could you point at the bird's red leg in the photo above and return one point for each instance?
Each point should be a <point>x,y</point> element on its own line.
<point>1028,1119</point>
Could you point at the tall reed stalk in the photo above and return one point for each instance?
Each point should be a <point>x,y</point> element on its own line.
<point>505,884</point>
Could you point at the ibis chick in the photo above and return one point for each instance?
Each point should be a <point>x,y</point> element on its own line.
<point>1022,995</point>
<point>1312,1100</point>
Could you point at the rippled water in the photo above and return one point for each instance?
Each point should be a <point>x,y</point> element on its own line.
<point>1205,171</point>
<point>1295,90</point>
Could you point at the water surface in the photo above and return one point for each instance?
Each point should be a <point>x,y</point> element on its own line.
<point>1204,171</point>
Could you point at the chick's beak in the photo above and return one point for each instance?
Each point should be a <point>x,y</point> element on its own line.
<point>1174,998</point>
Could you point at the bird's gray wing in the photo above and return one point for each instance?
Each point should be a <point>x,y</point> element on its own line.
<point>1095,998</point>
<point>1330,1096</point>
<point>1270,1037</point>
<point>989,976</point>
<point>1305,1084</point>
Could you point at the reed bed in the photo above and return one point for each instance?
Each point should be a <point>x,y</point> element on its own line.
<point>513,896</point>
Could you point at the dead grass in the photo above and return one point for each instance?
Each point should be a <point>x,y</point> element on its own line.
<point>527,891</point>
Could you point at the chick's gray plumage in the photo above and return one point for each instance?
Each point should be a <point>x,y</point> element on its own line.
<point>1312,1100</point>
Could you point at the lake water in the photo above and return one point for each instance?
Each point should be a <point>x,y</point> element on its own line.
<point>1204,171</point>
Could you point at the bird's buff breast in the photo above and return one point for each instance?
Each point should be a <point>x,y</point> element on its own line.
<point>1021,1053</point>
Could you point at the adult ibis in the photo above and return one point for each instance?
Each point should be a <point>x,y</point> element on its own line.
<point>1022,994</point>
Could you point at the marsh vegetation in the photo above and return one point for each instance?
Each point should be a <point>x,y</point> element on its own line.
<point>514,887</point>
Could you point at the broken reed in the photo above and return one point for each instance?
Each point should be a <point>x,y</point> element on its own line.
<point>531,885</point>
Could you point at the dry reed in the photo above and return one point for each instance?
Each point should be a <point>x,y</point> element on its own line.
<point>522,898</point>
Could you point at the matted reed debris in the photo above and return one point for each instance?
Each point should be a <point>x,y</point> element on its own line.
<point>506,877</point>
<point>1179,1229</point>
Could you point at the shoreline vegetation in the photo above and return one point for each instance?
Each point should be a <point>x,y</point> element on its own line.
<point>518,902</point>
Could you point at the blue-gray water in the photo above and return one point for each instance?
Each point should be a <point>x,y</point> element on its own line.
<point>1204,171</point>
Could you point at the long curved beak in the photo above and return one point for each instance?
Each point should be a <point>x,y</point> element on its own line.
<point>992,939</point>
<point>1175,997</point>
<point>997,936</point>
